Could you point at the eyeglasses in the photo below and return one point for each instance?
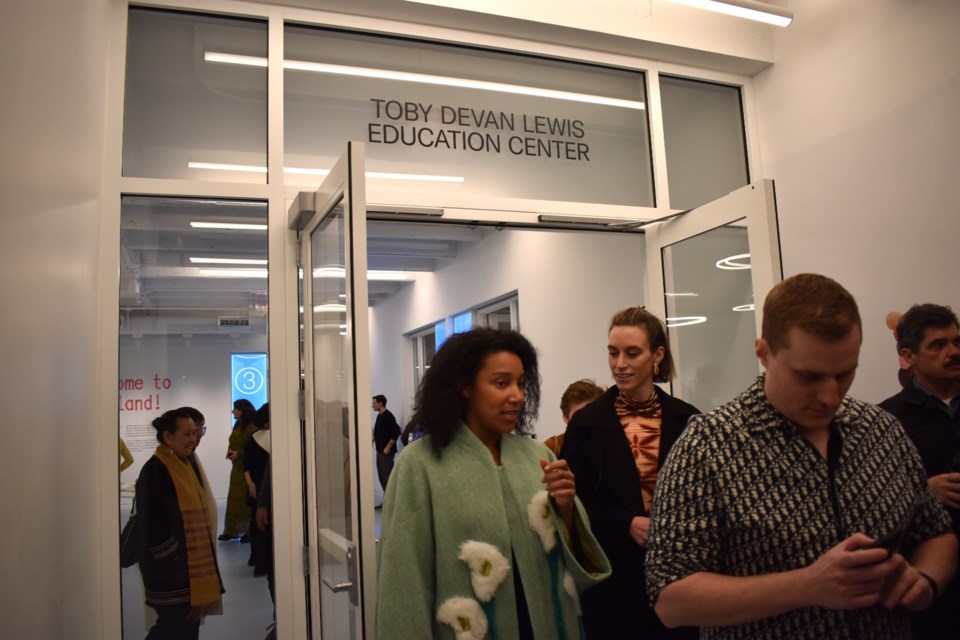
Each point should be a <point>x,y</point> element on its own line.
<point>201,430</point>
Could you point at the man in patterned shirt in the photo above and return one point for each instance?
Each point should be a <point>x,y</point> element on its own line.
<point>766,508</point>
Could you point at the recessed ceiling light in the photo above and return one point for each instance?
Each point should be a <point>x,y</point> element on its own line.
<point>685,321</point>
<point>730,263</point>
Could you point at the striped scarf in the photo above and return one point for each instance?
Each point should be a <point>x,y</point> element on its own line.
<point>201,563</point>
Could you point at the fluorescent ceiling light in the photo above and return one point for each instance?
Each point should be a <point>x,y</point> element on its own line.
<point>748,9</point>
<point>447,81</point>
<point>682,295</point>
<point>745,307</point>
<point>234,273</point>
<point>228,225</point>
<point>330,308</point>
<point>226,261</point>
<point>730,263</point>
<point>375,275</point>
<point>249,168</point>
<point>685,321</point>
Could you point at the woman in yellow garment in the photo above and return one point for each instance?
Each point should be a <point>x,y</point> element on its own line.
<point>236,520</point>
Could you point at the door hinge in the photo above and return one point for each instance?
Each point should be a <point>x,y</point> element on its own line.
<point>306,561</point>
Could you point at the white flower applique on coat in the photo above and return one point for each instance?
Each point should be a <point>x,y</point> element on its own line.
<point>465,616</point>
<point>488,567</point>
<point>538,512</point>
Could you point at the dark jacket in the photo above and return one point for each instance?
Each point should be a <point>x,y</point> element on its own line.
<point>935,434</point>
<point>385,430</point>
<point>161,544</point>
<point>600,457</point>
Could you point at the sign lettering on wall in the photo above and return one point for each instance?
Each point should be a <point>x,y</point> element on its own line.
<point>459,128</point>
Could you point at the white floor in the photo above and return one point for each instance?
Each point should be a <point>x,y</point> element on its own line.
<point>247,609</point>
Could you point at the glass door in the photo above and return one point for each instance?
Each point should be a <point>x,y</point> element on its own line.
<point>708,272</point>
<point>341,559</point>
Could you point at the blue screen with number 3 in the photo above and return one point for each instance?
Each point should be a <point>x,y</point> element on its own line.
<point>248,372</point>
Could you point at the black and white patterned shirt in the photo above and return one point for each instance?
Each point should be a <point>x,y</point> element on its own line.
<point>742,494</point>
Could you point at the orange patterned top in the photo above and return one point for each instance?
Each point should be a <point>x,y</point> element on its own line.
<point>641,423</point>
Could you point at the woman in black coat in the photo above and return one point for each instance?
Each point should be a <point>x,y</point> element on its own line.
<point>615,446</point>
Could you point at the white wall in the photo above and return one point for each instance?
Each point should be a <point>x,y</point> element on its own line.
<point>858,127</point>
<point>199,373</point>
<point>53,65</point>
<point>569,285</point>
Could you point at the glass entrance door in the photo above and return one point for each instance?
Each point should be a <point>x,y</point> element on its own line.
<point>335,337</point>
<point>708,272</point>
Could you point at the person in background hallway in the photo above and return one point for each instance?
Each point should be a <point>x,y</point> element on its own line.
<point>576,396</point>
<point>126,458</point>
<point>265,528</point>
<point>237,517</point>
<point>412,431</point>
<point>615,446</point>
<point>482,535</point>
<point>766,509</point>
<point>386,432</point>
<point>928,407</point>
<point>256,461</point>
<point>176,551</point>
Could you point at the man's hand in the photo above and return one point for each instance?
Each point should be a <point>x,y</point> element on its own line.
<point>640,530</point>
<point>850,577</point>
<point>263,519</point>
<point>946,487</point>
<point>387,449</point>
<point>907,587</point>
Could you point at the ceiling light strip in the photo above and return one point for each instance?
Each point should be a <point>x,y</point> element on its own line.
<point>229,225</point>
<point>748,9</point>
<point>248,261</point>
<point>422,78</point>
<point>216,166</point>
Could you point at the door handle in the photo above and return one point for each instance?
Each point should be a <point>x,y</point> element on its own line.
<point>337,587</point>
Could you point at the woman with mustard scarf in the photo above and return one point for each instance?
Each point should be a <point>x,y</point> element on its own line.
<point>176,529</point>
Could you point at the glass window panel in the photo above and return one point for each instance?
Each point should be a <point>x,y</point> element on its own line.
<point>463,322</point>
<point>710,319</point>
<point>490,143</point>
<point>704,138</point>
<point>190,299</point>
<point>182,109</point>
<point>440,329</point>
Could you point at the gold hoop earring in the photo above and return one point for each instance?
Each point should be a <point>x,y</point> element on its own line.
<point>656,369</point>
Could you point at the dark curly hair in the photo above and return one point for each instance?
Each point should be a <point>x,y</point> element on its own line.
<point>440,404</point>
<point>913,325</point>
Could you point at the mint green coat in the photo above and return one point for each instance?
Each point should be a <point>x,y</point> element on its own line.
<point>435,504</point>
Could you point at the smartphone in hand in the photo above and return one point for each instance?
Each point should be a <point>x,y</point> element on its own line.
<point>893,539</point>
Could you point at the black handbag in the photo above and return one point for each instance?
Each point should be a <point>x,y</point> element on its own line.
<point>128,540</point>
